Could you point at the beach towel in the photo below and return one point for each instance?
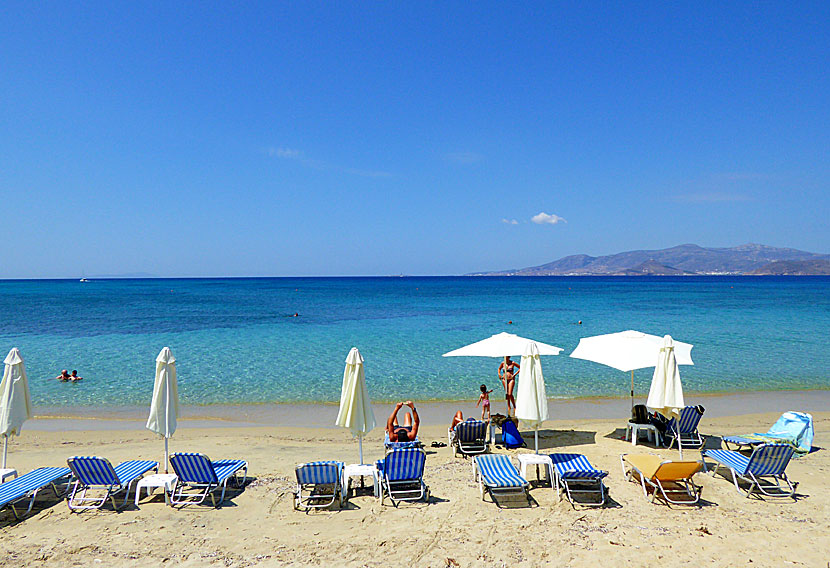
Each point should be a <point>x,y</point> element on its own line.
<point>795,428</point>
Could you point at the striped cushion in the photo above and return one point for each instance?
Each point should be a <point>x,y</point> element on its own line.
<point>740,440</point>
<point>689,419</point>
<point>575,466</point>
<point>498,471</point>
<point>470,430</point>
<point>129,471</point>
<point>404,464</point>
<point>92,470</point>
<point>193,468</point>
<point>320,472</point>
<point>770,459</point>
<point>226,468</point>
<point>16,488</point>
<point>401,445</point>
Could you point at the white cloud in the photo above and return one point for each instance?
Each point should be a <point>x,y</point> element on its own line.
<point>510,221</point>
<point>285,153</point>
<point>545,219</point>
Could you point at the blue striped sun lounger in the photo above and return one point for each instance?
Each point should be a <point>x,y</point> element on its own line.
<point>322,482</point>
<point>684,432</point>
<point>497,475</point>
<point>402,475</point>
<point>469,437</point>
<point>197,472</point>
<point>400,445</point>
<point>27,487</point>
<point>575,474</point>
<point>92,472</point>
<point>766,461</point>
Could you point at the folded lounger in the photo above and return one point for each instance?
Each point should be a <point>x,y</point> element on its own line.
<point>400,445</point>
<point>684,431</point>
<point>402,475</point>
<point>28,485</point>
<point>469,437</point>
<point>196,471</point>
<point>768,460</point>
<point>322,482</point>
<point>669,478</point>
<point>91,472</point>
<point>795,428</point>
<point>497,475</point>
<point>575,474</point>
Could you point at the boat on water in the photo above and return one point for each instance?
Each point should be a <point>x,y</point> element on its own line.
<point>84,280</point>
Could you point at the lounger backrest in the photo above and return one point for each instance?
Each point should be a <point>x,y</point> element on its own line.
<point>20,486</point>
<point>497,469</point>
<point>403,464</point>
<point>674,470</point>
<point>689,419</point>
<point>770,459</point>
<point>193,468</point>
<point>92,470</point>
<point>471,430</point>
<point>321,472</point>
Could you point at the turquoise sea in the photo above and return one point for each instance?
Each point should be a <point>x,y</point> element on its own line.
<point>235,342</point>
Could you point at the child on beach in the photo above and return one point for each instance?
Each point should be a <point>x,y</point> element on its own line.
<point>484,401</point>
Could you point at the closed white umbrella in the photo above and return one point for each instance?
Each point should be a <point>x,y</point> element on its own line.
<point>15,401</point>
<point>356,411</point>
<point>531,401</point>
<point>629,350</point>
<point>501,345</point>
<point>164,410</point>
<point>666,393</point>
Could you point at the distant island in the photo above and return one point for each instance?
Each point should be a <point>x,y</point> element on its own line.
<point>684,260</point>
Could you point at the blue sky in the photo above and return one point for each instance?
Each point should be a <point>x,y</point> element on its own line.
<point>346,138</point>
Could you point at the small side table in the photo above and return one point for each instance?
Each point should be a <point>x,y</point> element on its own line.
<point>165,480</point>
<point>633,431</point>
<point>6,473</point>
<point>537,460</point>
<point>361,471</point>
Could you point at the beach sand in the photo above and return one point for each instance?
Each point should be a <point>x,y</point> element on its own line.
<point>258,526</point>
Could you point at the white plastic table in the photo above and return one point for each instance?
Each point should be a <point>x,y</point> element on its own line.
<point>361,471</point>
<point>633,431</point>
<point>166,480</point>
<point>537,459</point>
<point>6,473</point>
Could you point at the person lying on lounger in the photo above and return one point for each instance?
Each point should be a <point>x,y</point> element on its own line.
<point>409,431</point>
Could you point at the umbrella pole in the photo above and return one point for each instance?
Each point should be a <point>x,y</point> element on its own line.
<point>360,448</point>
<point>632,388</point>
<point>166,459</point>
<point>5,449</point>
<point>536,438</point>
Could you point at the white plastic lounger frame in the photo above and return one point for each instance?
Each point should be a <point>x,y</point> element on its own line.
<point>766,461</point>
<point>197,472</point>
<point>576,475</point>
<point>27,487</point>
<point>497,475</point>
<point>322,481</point>
<point>92,472</point>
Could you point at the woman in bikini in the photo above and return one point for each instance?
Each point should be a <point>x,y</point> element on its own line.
<point>507,373</point>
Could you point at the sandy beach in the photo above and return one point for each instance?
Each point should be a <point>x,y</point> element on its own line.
<point>257,526</point>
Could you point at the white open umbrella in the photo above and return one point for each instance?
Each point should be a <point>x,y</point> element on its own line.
<point>356,412</point>
<point>15,401</point>
<point>501,345</point>
<point>164,410</point>
<point>531,401</point>
<point>629,350</point>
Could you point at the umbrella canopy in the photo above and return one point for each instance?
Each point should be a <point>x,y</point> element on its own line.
<point>531,402</point>
<point>629,350</point>
<point>356,412</point>
<point>666,393</point>
<point>15,401</point>
<point>501,345</point>
<point>164,409</point>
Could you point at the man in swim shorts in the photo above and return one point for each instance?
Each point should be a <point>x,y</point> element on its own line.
<point>409,431</point>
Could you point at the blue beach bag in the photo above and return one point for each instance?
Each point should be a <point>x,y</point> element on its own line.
<point>510,436</point>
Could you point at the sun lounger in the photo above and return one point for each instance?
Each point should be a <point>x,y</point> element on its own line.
<point>766,461</point>
<point>322,482</point>
<point>27,487</point>
<point>794,428</point>
<point>684,432</point>
<point>668,478</point>
<point>91,472</point>
<point>497,475</point>
<point>197,472</point>
<point>400,445</point>
<point>402,475</point>
<point>575,474</point>
<point>469,437</point>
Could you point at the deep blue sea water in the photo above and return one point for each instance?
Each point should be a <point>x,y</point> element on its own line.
<point>235,343</point>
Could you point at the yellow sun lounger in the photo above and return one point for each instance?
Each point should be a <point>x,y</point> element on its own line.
<point>670,478</point>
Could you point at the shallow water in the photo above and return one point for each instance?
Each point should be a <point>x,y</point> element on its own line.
<point>235,342</point>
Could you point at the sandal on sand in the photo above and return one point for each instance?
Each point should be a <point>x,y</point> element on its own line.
<point>438,444</point>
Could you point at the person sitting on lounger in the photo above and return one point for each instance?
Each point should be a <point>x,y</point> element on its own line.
<point>409,431</point>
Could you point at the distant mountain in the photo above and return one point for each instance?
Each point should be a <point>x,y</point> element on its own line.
<point>794,268</point>
<point>676,261</point>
